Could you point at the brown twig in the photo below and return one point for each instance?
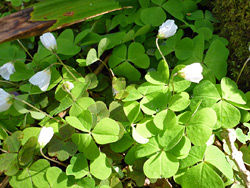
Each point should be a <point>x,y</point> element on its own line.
<point>230,137</point>
<point>5,182</point>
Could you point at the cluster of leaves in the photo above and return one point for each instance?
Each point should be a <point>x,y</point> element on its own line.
<point>94,136</point>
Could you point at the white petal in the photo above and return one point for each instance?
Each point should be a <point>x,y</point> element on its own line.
<point>4,100</point>
<point>192,73</point>
<point>138,138</point>
<point>6,70</point>
<point>167,29</point>
<point>68,85</point>
<point>45,136</point>
<point>41,79</point>
<point>49,41</point>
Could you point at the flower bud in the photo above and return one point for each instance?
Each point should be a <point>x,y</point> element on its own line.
<point>49,41</point>
<point>6,70</point>
<point>5,100</point>
<point>192,72</point>
<point>167,29</point>
<point>41,79</point>
<point>45,136</point>
<point>68,85</point>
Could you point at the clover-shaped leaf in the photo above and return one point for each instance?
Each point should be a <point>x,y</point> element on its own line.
<point>121,59</point>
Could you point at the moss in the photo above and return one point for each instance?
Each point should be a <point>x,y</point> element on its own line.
<point>234,16</point>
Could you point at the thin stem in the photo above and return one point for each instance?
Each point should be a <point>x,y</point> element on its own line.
<point>41,151</point>
<point>24,48</point>
<point>38,109</point>
<point>65,66</point>
<point>6,130</point>
<point>3,150</point>
<point>7,82</point>
<point>157,45</point>
<point>242,69</point>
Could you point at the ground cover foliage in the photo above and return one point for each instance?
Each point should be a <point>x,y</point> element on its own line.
<point>121,114</point>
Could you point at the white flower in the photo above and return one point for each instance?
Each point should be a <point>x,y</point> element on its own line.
<point>5,100</point>
<point>41,79</point>
<point>167,29</point>
<point>49,41</point>
<point>6,70</point>
<point>192,72</point>
<point>138,138</point>
<point>45,136</point>
<point>68,85</point>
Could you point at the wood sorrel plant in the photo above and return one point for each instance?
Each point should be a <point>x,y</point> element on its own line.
<point>125,104</point>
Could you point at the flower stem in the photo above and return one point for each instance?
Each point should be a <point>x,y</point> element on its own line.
<point>23,101</point>
<point>41,151</point>
<point>242,69</point>
<point>157,45</point>
<point>24,48</point>
<point>7,82</point>
<point>65,66</point>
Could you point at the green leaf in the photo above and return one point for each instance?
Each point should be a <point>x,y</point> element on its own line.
<point>67,47</point>
<point>165,119</point>
<point>78,166</point>
<point>136,54</point>
<point>196,154</point>
<point>181,149</point>
<point>106,131</point>
<point>216,59</point>
<point>133,93</point>
<point>66,13</point>
<point>127,70</point>
<point>9,163</point>
<point>159,77</point>
<point>91,57</point>
<point>63,150</point>
<point>123,144</point>
<point>199,128</point>
<point>179,101</point>
<point>132,110</point>
<point>207,92</point>
<point>83,122</point>
<point>228,116</point>
<point>231,92</point>
<point>86,145</point>
<point>37,115</point>
<point>154,16</point>
<point>81,104</point>
<point>26,153</point>
<point>160,165</point>
<point>91,81</point>
<point>12,143</point>
<point>184,48</point>
<point>37,172</point>
<point>201,176</point>
<point>30,132</point>
<point>100,167</point>
<point>102,46</point>
<point>56,178</point>
<point>154,102</point>
<point>147,149</point>
<point>217,158</point>
<point>170,137</point>
<point>21,179</point>
<point>21,73</point>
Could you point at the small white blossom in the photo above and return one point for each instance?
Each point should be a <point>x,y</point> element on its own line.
<point>6,70</point>
<point>41,79</point>
<point>68,85</point>
<point>49,41</point>
<point>45,136</point>
<point>192,73</point>
<point>5,100</point>
<point>138,138</point>
<point>167,29</point>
